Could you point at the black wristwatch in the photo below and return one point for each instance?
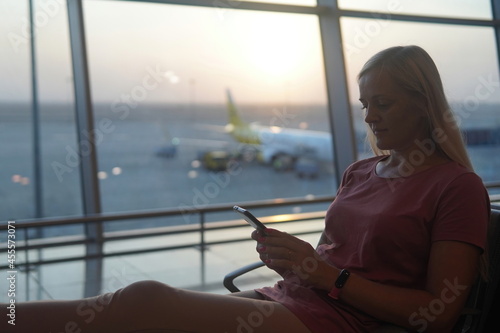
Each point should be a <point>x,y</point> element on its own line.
<point>339,284</point>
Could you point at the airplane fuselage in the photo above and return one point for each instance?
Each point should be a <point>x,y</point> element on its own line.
<point>276,141</point>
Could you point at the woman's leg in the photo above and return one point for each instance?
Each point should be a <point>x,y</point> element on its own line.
<point>153,306</point>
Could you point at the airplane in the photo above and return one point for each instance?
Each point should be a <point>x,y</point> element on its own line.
<point>283,148</point>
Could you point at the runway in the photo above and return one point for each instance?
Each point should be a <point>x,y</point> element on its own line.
<point>133,177</point>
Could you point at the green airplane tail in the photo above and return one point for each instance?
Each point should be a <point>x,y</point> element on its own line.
<point>239,129</point>
<point>234,118</point>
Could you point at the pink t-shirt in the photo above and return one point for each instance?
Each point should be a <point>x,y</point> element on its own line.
<point>382,229</point>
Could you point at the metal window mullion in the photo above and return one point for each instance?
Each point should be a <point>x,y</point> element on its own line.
<point>364,14</point>
<point>37,172</point>
<point>235,4</point>
<point>344,142</point>
<point>86,146</point>
<point>37,143</point>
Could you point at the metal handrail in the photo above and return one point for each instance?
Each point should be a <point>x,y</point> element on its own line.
<point>202,227</point>
<point>105,217</point>
<point>493,184</point>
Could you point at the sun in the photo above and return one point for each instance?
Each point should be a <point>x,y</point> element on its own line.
<point>273,59</point>
<point>274,52</point>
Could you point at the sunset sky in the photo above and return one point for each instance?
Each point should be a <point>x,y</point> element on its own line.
<point>261,57</point>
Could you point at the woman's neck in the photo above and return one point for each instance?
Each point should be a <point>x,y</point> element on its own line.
<point>402,165</point>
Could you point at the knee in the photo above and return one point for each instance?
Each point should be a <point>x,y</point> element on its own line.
<point>148,292</point>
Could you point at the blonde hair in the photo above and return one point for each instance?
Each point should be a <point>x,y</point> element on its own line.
<point>414,70</point>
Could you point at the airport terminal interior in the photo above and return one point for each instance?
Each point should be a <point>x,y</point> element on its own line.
<point>130,129</point>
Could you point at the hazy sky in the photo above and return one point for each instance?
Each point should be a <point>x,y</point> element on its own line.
<point>199,52</point>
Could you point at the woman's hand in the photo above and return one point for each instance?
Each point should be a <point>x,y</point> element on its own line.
<point>287,255</point>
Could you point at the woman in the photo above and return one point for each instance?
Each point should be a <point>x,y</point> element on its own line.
<point>401,219</point>
<point>402,240</point>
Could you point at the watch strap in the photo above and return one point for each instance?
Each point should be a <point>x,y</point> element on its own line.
<point>339,284</point>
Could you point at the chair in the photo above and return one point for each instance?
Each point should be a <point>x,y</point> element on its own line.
<point>482,307</point>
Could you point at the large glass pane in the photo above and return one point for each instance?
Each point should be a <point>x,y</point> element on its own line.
<point>467,60</point>
<point>16,134</point>
<point>62,195</point>
<point>176,87</point>
<point>59,194</point>
<point>23,172</point>
<point>477,9</point>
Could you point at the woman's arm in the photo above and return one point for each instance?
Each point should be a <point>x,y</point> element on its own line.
<point>452,270</point>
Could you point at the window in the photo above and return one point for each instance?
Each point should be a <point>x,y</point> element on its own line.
<point>164,85</point>
<point>30,178</point>
<point>202,104</point>
<point>161,76</point>
<point>478,9</point>
<point>467,60</point>
<point>17,173</point>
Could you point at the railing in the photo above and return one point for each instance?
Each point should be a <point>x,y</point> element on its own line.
<point>202,227</point>
<point>494,198</point>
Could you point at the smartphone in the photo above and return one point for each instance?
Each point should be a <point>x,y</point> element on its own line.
<point>252,220</point>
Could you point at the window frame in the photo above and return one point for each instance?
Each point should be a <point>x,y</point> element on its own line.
<point>340,118</point>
